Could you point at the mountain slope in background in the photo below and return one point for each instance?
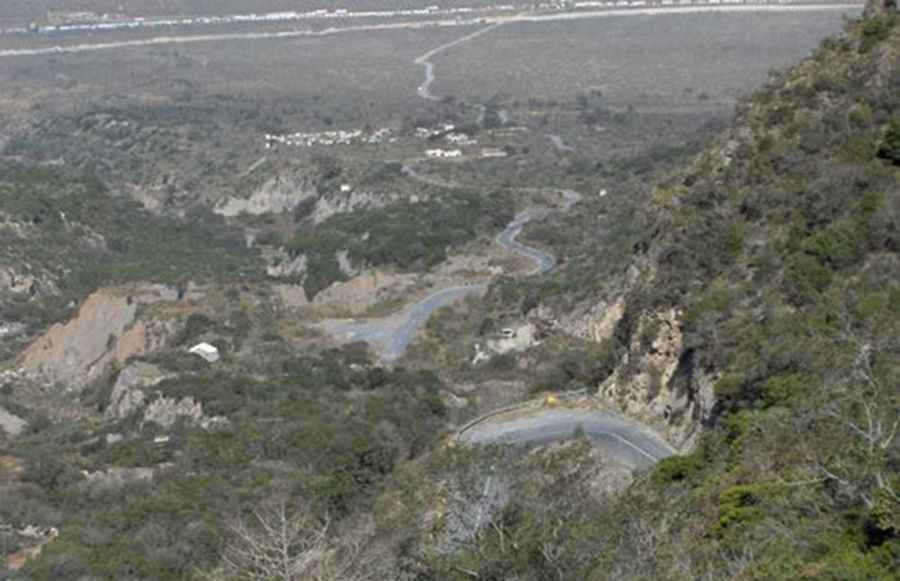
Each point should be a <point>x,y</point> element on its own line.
<point>759,327</point>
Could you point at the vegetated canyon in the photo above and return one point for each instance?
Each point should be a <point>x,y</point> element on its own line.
<point>683,360</point>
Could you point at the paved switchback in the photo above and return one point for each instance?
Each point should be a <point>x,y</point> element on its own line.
<point>392,335</point>
<point>627,442</point>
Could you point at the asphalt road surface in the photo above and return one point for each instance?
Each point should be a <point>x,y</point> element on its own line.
<point>627,442</point>
<point>392,335</point>
<point>543,262</point>
<point>424,89</point>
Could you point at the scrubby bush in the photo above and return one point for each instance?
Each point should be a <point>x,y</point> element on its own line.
<point>676,468</point>
<point>890,146</point>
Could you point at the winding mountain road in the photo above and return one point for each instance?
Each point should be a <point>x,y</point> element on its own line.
<point>627,442</point>
<point>424,89</point>
<point>543,262</point>
<point>392,335</point>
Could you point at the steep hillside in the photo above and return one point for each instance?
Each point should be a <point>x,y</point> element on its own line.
<point>64,234</point>
<point>758,327</point>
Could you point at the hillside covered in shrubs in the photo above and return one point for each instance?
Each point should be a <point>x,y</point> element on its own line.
<point>775,250</point>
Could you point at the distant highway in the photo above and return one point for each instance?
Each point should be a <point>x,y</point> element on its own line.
<point>493,21</point>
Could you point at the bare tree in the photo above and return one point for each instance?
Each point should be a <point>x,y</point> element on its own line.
<point>864,409</point>
<point>279,544</point>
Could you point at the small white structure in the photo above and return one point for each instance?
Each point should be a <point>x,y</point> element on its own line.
<point>507,333</point>
<point>460,139</point>
<point>443,153</point>
<point>208,352</point>
<point>346,188</point>
<point>492,152</point>
<point>480,354</point>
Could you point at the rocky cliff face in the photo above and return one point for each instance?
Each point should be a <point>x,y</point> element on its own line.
<point>345,202</point>
<point>655,379</point>
<point>658,382</point>
<point>128,392</point>
<point>131,394</point>
<point>105,330</point>
<point>279,194</point>
<point>753,227</point>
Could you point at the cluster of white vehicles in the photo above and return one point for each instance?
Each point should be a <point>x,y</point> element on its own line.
<point>446,132</point>
<point>330,138</point>
<point>84,22</point>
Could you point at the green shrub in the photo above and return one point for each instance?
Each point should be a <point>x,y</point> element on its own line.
<point>50,473</point>
<point>875,30</point>
<point>840,245</point>
<point>784,388</point>
<point>739,505</point>
<point>676,468</point>
<point>412,237</point>
<point>890,146</point>
<point>805,277</point>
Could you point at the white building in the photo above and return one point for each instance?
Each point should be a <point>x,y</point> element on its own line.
<point>460,139</point>
<point>208,352</point>
<point>493,152</point>
<point>443,153</point>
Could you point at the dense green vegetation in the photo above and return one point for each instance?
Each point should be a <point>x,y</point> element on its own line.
<point>411,237</point>
<point>69,229</point>
<point>777,247</point>
<point>326,428</point>
<point>783,257</point>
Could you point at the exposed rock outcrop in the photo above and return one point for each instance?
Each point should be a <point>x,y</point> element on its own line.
<point>279,194</point>
<point>11,424</point>
<point>116,476</point>
<point>128,392</point>
<point>596,323</point>
<point>19,282</point>
<point>35,536</point>
<point>165,411</point>
<point>281,265</point>
<point>344,202</point>
<point>130,395</point>
<point>104,331</point>
<point>75,352</point>
<point>344,263</point>
<point>657,382</point>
